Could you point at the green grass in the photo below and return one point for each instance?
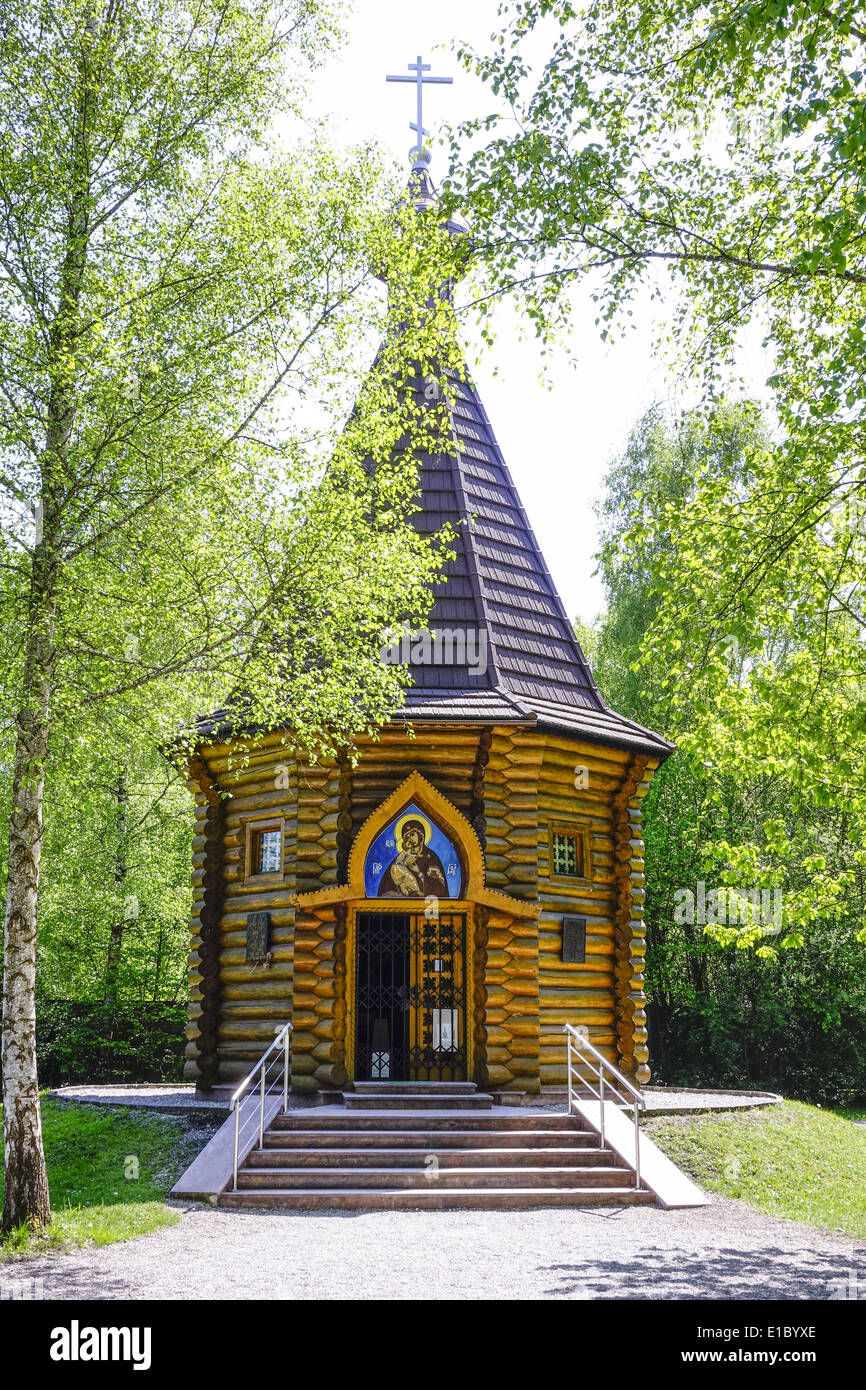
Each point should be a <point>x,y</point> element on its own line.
<point>109,1171</point>
<point>789,1160</point>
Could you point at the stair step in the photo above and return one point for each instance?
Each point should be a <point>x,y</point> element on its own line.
<point>414,1100</point>
<point>418,1158</point>
<point>325,1118</point>
<point>378,1179</point>
<point>427,1139</point>
<point>414,1088</point>
<point>490,1198</point>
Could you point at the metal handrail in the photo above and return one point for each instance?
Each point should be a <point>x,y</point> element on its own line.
<point>281,1048</point>
<point>588,1053</point>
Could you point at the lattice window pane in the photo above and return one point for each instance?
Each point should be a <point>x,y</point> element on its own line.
<point>565,855</point>
<point>270,848</point>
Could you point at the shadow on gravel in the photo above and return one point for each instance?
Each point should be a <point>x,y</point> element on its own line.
<point>653,1273</point>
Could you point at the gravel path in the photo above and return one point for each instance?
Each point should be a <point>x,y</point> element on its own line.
<point>171,1099</point>
<point>179,1098</point>
<point>662,1102</point>
<point>725,1250</point>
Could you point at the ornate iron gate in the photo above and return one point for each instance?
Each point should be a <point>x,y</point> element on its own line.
<point>410,997</point>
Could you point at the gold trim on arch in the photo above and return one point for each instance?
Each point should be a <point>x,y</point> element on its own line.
<point>416,788</point>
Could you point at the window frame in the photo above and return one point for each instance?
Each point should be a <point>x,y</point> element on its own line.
<point>580,832</point>
<point>254,829</point>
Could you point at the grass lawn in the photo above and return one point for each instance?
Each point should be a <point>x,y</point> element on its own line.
<point>787,1160</point>
<point>108,1171</point>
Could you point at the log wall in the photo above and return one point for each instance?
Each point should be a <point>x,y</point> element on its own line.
<point>319,1018</point>
<point>582,995</point>
<point>253,1000</point>
<point>510,783</point>
<point>446,758</point>
<point>208,895</point>
<point>630,943</point>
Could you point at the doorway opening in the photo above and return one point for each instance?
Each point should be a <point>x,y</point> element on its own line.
<point>410,997</point>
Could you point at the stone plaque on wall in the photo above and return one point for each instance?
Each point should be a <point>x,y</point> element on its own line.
<point>574,940</point>
<point>258,936</point>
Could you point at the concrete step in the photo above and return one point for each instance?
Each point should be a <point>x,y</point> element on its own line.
<point>374,1157</point>
<point>378,1179</point>
<point>414,1088</point>
<point>427,1139</point>
<point>486,1199</point>
<point>415,1100</point>
<point>338,1118</point>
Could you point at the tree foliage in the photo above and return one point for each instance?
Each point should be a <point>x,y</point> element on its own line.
<point>180,305</point>
<point>717,156</point>
<point>791,1020</point>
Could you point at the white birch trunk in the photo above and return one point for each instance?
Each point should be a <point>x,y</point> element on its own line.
<point>25,1196</point>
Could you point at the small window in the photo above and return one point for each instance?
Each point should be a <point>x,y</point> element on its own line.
<point>267,852</point>
<point>569,851</point>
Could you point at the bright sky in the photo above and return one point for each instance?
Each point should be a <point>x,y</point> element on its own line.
<point>557,438</point>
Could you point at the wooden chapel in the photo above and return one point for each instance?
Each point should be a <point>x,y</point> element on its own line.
<point>438,911</point>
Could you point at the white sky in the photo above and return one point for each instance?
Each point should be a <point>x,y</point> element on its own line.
<point>557,438</point>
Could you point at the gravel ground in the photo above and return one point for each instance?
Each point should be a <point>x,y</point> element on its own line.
<point>169,1098</point>
<point>175,1099</point>
<point>725,1250</point>
<point>150,1097</point>
<point>660,1102</point>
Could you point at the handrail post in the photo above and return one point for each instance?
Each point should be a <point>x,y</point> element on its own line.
<point>262,1109</point>
<point>578,1045</point>
<point>235,1168</point>
<point>286,1073</point>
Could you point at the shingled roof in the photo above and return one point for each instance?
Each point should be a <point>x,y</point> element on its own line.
<point>496,607</point>
<point>503,647</point>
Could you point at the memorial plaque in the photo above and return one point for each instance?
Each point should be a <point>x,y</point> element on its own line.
<point>574,940</point>
<point>258,936</point>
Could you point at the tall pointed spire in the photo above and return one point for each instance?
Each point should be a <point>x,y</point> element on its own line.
<point>499,643</point>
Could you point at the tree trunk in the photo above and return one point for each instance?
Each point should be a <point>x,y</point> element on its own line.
<point>115,939</point>
<point>25,1197</point>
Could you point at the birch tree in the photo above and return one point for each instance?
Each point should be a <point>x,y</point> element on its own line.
<point>180,310</point>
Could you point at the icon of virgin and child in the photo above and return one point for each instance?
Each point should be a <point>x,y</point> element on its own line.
<point>416,870</point>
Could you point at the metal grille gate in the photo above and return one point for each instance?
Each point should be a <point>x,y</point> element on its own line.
<point>410,997</point>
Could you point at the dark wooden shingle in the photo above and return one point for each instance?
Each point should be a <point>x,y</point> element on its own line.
<point>501,588</point>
